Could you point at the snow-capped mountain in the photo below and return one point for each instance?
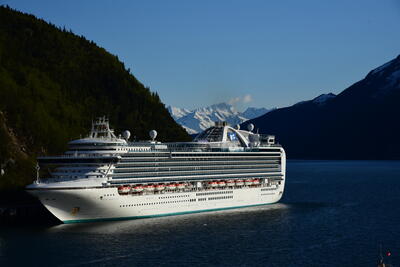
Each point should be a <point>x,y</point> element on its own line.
<point>177,113</point>
<point>197,120</point>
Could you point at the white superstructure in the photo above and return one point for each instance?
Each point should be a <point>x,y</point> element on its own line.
<point>104,177</point>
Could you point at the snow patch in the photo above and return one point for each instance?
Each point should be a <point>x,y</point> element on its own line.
<point>323,98</point>
<point>392,84</point>
<point>394,76</point>
<point>384,66</point>
<point>319,100</point>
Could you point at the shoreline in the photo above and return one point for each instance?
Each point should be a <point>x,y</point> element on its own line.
<point>17,207</point>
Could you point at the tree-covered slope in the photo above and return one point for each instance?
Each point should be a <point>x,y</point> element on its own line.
<point>53,83</point>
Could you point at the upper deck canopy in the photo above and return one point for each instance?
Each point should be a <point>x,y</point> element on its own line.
<point>225,134</point>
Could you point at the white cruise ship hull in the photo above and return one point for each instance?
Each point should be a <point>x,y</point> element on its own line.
<point>102,177</point>
<point>99,204</point>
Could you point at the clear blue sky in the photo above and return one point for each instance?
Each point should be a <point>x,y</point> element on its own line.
<point>196,53</point>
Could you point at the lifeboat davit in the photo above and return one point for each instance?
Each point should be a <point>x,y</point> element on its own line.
<point>221,183</point>
<point>149,187</point>
<point>256,181</point>
<point>248,182</point>
<point>230,183</point>
<point>124,189</point>
<point>213,184</point>
<point>137,188</point>
<point>239,182</point>
<point>171,186</point>
<point>160,187</point>
<point>181,186</point>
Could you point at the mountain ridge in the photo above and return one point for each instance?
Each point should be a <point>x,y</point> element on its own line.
<point>362,118</point>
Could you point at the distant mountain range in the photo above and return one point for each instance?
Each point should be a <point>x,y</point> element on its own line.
<point>362,122</point>
<point>197,120</point>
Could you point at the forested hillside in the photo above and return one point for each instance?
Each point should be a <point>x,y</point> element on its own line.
<point>53,83</point>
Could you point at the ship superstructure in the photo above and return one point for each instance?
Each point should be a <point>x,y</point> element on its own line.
<point>105,177</point>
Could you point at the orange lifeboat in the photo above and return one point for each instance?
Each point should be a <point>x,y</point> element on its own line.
<point>159,187</point>
<point>149,187</point>
<point>213,184</point>
<point>171,186</point>
<point>124,189</point>
<point>239,182</point>
<point>248,182</point>
<point>230,183</point>
<point>221,183</point>
<point>137,189</point>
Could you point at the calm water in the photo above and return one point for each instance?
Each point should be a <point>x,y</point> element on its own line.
<point>334,213</point>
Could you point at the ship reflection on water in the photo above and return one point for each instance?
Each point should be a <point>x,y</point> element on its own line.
<point>164,225</point>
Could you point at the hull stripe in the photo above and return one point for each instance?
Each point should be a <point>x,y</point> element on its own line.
<point>160,215</point>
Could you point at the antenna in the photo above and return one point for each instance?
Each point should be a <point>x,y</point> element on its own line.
<point>37,173</point>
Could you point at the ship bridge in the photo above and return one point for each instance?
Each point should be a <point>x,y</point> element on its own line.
<point>101,137</point>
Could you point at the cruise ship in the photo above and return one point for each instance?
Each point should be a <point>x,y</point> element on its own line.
<point>107,177</point>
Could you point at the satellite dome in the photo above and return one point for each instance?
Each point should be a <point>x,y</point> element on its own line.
<point>126,134</point>
<point>250,127</point>
<point>237,127</point>
<point>153,134</point>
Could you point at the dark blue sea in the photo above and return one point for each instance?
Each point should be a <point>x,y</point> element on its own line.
<point>333,213</point>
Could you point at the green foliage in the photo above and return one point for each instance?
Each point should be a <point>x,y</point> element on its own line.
<point>53,83</point>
